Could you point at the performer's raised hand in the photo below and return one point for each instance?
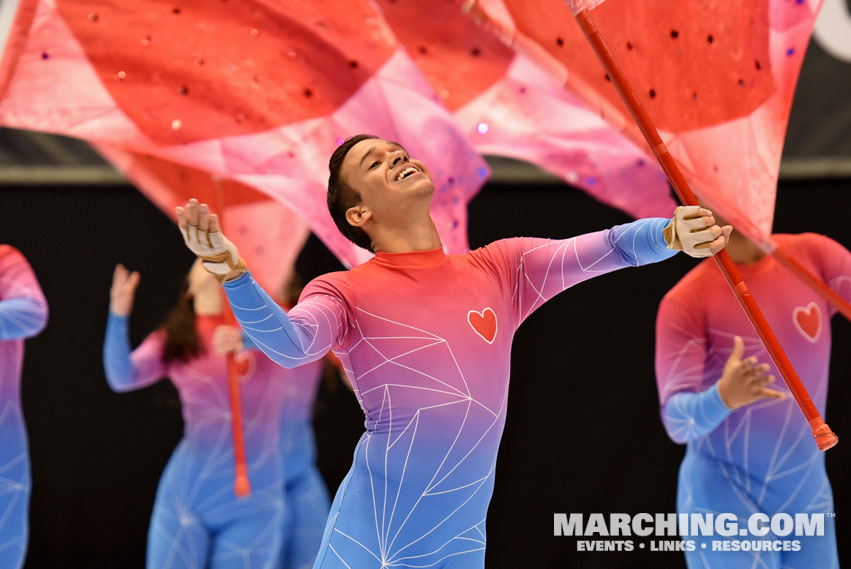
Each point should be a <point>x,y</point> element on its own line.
<point>202,235</point>
<point>227,339</point>
<point>743,380</point>
<point>123,290</point>
<point>693,230</point>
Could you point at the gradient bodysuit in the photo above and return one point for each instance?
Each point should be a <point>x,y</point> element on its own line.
<point>425,339</point>
<point>23,314</point>
<point>306,494</point>
<point>198,521</point>
<point>762,457</point>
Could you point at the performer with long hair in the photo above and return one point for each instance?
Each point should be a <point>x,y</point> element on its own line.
<point>198,521</point>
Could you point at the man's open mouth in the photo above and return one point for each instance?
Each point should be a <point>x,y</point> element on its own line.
<point>409,171</point>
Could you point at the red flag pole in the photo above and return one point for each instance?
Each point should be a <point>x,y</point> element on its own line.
<point>241,484</point>
<point>823,435</point>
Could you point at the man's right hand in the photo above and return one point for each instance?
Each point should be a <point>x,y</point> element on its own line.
<point>743,381</point>
<point>123,290</point>
<point>202,235</point>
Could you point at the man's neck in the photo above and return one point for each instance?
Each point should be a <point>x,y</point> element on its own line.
<point>421,236</point>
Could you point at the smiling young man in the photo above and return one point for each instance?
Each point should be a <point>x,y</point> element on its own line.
<point>425,339</point>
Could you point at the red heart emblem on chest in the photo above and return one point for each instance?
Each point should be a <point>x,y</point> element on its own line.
<point>808,321</point>
<point>484,323</point>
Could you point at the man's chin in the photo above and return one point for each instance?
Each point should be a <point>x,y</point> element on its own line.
<point>422,189</point>
<point>425,188</point>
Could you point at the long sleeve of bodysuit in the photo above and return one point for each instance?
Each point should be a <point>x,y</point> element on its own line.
<point>539,269</point>
<point>126,370</point>
<point>305,334</point>
<point>687,416</point>
<point>689,410</point>
<point>23,309</point>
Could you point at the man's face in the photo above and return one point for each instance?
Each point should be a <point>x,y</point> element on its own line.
<point>391,185</point>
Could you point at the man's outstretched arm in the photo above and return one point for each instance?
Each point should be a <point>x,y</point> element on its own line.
<point>539,269</point>
<point>306,334</point>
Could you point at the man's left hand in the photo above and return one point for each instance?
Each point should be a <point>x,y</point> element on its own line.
<point>693,231</point>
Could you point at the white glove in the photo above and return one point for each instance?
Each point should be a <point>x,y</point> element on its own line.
<point>693,231</point>
<point>218,255</point>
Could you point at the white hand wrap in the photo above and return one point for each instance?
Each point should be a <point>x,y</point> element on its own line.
<point>688,229</point>
<point>218,255</point>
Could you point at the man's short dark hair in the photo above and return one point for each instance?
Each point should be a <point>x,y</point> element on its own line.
<point>341,196</point>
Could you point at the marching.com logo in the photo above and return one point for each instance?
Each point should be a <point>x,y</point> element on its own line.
<point>758,532</point>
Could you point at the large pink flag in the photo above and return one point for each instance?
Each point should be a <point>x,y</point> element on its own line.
<point>268,234</point>
<point>716,79</point>
<point>255,92</point>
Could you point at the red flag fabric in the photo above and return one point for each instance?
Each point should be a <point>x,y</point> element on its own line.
<point>717,81</point>
<point>268,234</point>
<point>257,92</point>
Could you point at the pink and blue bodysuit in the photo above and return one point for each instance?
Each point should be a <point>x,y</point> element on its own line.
<point>23,314</point>
<point>760,458</point>
<point>425,339</point>
<point>305,492</point>
<point>198,521</point>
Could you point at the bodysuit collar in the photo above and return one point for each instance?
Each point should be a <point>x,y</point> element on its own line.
<point>411,259</point>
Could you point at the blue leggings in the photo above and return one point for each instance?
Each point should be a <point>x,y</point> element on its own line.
<point>199,524</point>
<point>706,485</point>
<point>307,511</point>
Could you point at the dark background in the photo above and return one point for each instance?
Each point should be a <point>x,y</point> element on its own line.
<point>583,432</point>
<point>821,115</point>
